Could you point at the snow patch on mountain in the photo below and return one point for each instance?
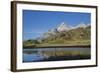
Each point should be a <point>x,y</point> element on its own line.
<point>63,27</point>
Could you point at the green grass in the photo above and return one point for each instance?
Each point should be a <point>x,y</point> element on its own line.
<point>60,43</point>
<point>63,42</point>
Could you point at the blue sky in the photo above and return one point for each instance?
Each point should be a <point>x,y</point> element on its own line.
<point>35,23</point>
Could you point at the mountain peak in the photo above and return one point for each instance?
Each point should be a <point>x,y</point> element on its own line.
<point>82,25</point>
<point>63,27</point>
<point>63,23</point>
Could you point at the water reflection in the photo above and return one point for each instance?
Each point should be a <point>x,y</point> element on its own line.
<point>55,54</point>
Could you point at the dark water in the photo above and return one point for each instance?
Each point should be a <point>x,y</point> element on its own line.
<point>55,54</point>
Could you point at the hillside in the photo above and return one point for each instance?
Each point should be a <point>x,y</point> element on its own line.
<point>73,36</point>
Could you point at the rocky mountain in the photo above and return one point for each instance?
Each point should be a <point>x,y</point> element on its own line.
<point>78,35</point>
<point>63,27</point>
<point>65,34</point>
<point>81,25</point>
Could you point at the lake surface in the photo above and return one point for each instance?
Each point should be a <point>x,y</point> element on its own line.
<point>55,54</point>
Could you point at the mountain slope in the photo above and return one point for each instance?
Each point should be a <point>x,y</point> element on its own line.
<point>78,35</point>
<point>65,35</point>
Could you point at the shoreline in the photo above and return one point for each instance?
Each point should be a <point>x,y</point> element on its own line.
<point>56,46</point>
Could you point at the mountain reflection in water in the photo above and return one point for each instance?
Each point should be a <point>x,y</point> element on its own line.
<point>55,54</point>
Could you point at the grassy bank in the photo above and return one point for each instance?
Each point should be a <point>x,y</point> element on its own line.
<point>75,43</point>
